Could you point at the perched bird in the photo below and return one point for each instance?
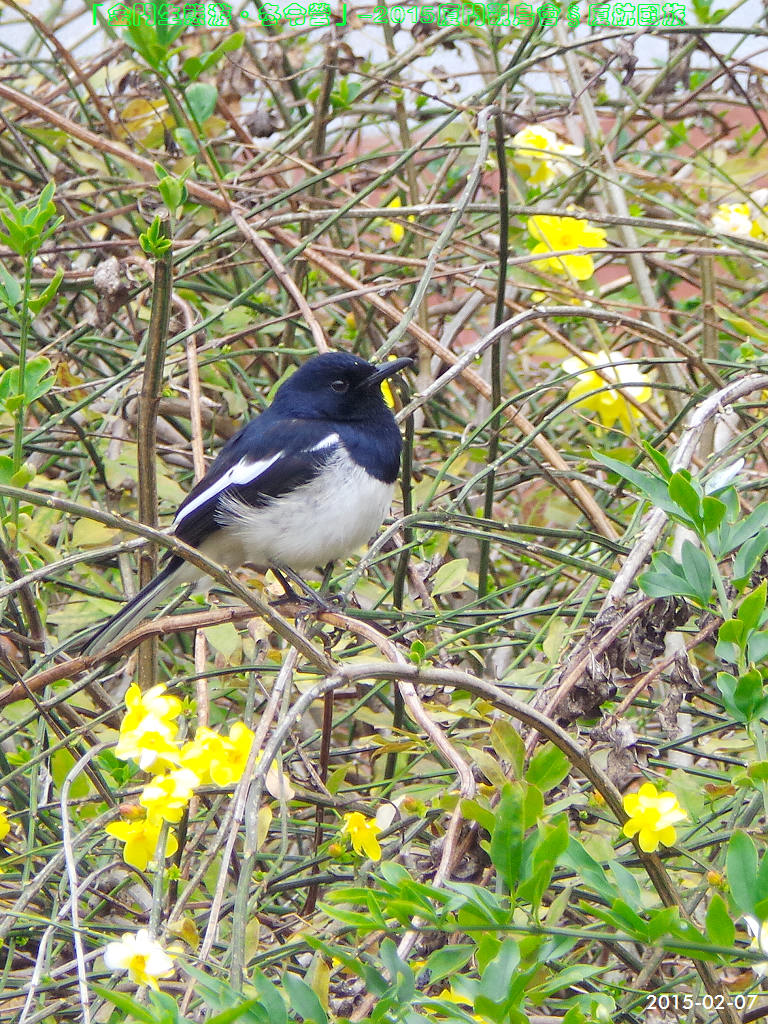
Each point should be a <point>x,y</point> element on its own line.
<point>306,482</point>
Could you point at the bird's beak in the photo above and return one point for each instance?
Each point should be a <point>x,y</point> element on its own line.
<point>384,370</point>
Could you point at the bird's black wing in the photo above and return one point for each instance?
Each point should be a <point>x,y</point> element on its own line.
<point>267,458</point>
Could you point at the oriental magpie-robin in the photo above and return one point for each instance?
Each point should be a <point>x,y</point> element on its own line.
<point>307,481</point>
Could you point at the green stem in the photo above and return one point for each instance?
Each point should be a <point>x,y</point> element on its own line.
<point>496,361</point>
<point>149,400</point>
<point>18,427</point>
<point>722,599</point>
<point>756,734</point>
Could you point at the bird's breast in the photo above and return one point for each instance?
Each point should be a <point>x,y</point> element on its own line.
<point>327,518</point>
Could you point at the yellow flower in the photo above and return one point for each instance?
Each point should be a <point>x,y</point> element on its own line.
<point>151,745</point>
<point>448,995</point>
<point>140,838</point>
<point>199,754</point>
<point>363,833</point>
<point>153,704</point>
<point>166,796</point>
<point>736,219</point>
<point>142,956</point>
<point>538,155</point>
<point>5,825</point>
<point>556,234</point>
<point>759,932</point>
<point>217,759</point>
<point>148,731</point>
<point>652,817</point>
<point>594,393</point>
<point>228,768</point>
<point>396,231</point>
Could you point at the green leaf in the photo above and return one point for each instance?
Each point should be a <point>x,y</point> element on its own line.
<point>761,882</point>
<point>478,905</point>
<point>508,744</point>
<point>732,632</point>
<point>195,66</point>
<point>62,763</point>
<point>662,583</point>
<point>757,646</point>
<point>685,496</point>
<point>720,928</point>
<point>730,640</point>
<point>474,811</point>
<point>627,884</point>
<point>551,843</point>
<point>270,997</point>
<point>417,652</point>
<point>355,918</point>
<point>126,1004</point>
<point>450,577</point>
<point>304,1002</point>
<point>42,300</point>
<point>154,241</point>
<point>741,869</point>
<point>44,203</point>
<point>713,512</point>
<point>11,289</point>
<point>653,487</point>
<point>186,140</point>
<point>751,609</point>
<point>750,526</point>
<point>250,1011</point>
<point>533,888</point>
<point>533,805</point>
<point>6,469</point>
<point>573,975</point>
<point>726,684</point>
<point>588,869</point>
<point>446,961</point>
<point>749,696</point>
<point>201,99</point>
<point>507,839</point>
<point>36,384</point>
<point>496,979</point>
<point>698,571</point>
<point>668,578</point>
<point>747,557</point>
<point>400,974</point>
<point>548,767</point>
<point>630,920</point>
<point>659,460</point>
<point>173,192</point>
<point>36,380</point>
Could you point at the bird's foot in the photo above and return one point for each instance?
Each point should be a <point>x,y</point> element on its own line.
<point>307,603</point>
<point>309,599</point>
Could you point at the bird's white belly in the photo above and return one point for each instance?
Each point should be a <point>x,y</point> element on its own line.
<point>326,519</point>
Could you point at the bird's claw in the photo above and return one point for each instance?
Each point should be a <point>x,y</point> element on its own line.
<point>309,603</point>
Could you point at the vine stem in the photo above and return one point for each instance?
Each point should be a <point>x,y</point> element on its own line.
<point>18,427</point>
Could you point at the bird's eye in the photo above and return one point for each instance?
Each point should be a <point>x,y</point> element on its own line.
<point>340,386</point>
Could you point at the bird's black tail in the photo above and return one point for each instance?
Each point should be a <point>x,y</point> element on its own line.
<point>138,607</point>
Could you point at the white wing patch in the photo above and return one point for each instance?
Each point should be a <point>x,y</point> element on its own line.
<point>327,442</point>
<point>243,472</point>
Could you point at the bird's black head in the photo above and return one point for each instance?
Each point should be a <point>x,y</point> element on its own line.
<point>336,386</point>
